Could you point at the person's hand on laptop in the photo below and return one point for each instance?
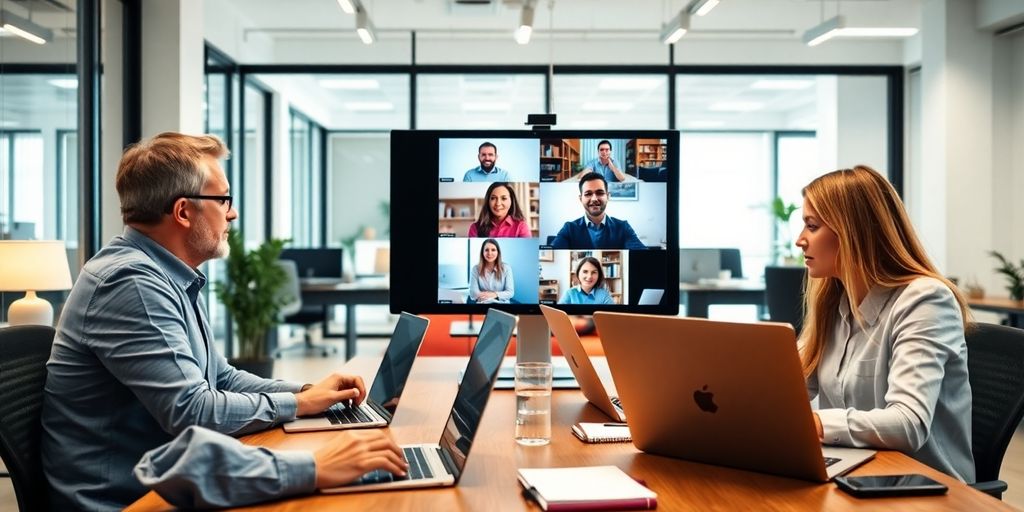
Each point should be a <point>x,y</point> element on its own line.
<point>351,454</point>
<point>817,426</point>
<point>335,388</point>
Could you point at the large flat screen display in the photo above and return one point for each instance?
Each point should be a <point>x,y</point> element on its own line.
<point>579,220</point>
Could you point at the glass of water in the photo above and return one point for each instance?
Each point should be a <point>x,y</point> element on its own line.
<point>533,403</point>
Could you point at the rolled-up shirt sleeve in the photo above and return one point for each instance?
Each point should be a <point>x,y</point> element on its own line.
<point>146,345</point>
<point>203,469</point>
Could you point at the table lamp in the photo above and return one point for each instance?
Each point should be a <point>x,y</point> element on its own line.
<point>31,266</point>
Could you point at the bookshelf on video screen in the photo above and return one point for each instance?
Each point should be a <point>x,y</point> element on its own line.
<point>581,220</point>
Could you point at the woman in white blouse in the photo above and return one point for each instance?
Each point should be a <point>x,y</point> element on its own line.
<point>882,345</point>
<point>491,279</point>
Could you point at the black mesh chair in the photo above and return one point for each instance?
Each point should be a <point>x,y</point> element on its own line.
<point>784,292</point>
<point>729,259</point>
<point>995,362</point>
<point>295,312</point>
<point>24,350</point>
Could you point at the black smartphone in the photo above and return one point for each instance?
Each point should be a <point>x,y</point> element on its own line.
<point>890,485</point>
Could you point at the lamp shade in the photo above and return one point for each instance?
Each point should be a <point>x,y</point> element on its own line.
<point>33,265</point>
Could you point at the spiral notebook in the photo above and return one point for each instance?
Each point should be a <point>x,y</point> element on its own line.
<point>602,432</point>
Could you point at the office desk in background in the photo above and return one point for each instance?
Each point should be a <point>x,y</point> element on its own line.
<point>330,292</point>
<point>489,482</point>
<point>1014,309</point>
<point>697,297</point>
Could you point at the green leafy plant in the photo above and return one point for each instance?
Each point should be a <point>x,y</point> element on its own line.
<point>782,213</point>
<point>385,210</point>
<point>1014,275</point>
<point>252,292</point>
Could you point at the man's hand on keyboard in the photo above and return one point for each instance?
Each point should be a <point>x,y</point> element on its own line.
<point>335,388</point>
<point>351,454</point>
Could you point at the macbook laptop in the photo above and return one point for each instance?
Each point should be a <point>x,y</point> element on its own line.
<point>651,296</point>
<point>720,393</point>
<point>441,464</point>
<point>579,362</point>
<point>382,400</point>
<point>697,264</point>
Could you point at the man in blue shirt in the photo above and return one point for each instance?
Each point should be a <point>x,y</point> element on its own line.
<point>605,164</point>
<point>487,154</point>
<point>596,230</point>
<point>132,363</point>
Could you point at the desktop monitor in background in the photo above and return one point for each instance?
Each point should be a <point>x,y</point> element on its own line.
<point>319,262</point>
<point>437,258</point>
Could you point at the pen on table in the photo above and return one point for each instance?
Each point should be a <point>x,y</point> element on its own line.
<point>616,425</point>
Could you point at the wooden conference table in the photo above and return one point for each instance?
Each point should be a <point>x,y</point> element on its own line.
<point>1014,309</point>
<point>489,482</point>
<point>331,292</point>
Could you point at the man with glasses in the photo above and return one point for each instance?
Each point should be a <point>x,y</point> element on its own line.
<point>595,229</point>
<point>133,365</point>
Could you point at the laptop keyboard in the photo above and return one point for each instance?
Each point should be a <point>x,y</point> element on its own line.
<point>418,469</point>
<point>339,414</point>
<point>830,460</point>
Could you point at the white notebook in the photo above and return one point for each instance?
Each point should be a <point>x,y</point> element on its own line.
<point>601,432</point>
<point>582,488</point>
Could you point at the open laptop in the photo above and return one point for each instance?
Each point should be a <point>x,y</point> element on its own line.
<point>579,362</point>
<point>441,464</point>
<point>379,407</point>
<point>721,393</point>
<point>651,296</point>
<point>697,264</point>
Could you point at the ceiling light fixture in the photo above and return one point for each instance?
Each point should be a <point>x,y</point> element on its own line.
<point>823,31</point>
<point>64,83</point>
<point>525,30</point>
<point>349,6</point>
<point>702,7</point>
<point>364,27</point>
<point>25,28</point>
<point>675,28</point>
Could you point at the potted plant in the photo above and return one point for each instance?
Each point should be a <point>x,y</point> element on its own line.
<point>251,294</point>
<point>1014,275</point>
<point>784,248</point>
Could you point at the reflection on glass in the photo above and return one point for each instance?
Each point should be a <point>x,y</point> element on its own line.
<point>613,102</point>
<point>464,101</point>
<point>475,389</point>
<point>397,363</point>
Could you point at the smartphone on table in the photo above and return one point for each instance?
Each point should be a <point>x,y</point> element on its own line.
<point>890,485</point>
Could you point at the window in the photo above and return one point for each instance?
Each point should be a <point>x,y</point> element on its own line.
<point>477,101</point>
<point>593,102</point>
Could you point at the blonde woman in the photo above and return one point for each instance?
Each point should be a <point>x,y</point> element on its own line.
<point>883,342</point>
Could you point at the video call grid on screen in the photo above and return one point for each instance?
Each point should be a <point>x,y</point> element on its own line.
<point>539,252</point>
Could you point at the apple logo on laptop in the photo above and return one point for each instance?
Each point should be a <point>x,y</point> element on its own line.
<point>705,400</point>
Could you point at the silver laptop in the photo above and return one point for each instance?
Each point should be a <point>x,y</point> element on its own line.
<point>651,296</point>
<point>379,407</point>
<point>720,393</point>
<point>442,464</point>
<point>579,362</point>
<point>697,264</point>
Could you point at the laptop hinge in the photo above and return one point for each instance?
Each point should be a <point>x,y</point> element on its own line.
<point>449,464</point>
<point>380,410</point>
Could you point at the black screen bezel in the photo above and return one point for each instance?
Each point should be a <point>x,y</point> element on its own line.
<point>414,196</point>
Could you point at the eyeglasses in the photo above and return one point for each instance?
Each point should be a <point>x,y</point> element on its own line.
<point>223,200</point>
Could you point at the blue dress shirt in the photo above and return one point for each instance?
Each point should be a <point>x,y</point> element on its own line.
<point>603,170</point>
<point>612,233</point>
<point>479,174</point>
<point>131,367</point>
<point>203,469</point>
<point>576,295</point>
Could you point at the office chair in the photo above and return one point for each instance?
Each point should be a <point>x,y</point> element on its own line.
<point>995,365</point>
<point>25,349</point>
<point>729,259</point>
<point>293,312</point>
<point>784,294</point>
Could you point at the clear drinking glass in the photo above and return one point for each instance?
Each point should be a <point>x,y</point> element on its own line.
<point>533,403</point>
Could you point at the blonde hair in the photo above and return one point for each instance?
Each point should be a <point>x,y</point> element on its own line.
<point>877,246</point>
<point>155,172</point>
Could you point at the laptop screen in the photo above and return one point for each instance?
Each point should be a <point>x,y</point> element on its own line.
<point>397,363</point>
<point>477,381</point>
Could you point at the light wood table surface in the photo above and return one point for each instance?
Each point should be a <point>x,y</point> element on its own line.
<point>489,482</point>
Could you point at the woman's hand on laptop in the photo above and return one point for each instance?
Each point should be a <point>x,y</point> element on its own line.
<point>353,453</point>
<point>817,426</point>
<point>333,389</point>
